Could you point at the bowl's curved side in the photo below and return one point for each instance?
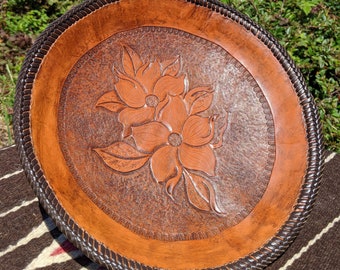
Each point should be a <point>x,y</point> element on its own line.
<point>91,247</point>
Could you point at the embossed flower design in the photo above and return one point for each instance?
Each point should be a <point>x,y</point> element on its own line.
<point>142,89</point>
<point>164,128</point>
<point>179,147</point>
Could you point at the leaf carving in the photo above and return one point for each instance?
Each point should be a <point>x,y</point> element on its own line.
<point>172,67</point>
<point>111,101</point>
<point>199,99</point>
<point>200,192</point>
<point>122,157</point>
<point>131,61</point>
<point>171,184</point>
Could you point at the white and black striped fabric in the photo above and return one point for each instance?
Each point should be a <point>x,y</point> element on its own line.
<point>30,240</point>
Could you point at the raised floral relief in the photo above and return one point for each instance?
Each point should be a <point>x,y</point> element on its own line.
<point>164,128</point>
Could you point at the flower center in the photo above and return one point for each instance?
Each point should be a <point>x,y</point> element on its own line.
<point>151,101</point>
<point>175,139</point>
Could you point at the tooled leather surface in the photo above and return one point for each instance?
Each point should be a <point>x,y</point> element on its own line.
<point>258,259</point>
<point>231,106</point>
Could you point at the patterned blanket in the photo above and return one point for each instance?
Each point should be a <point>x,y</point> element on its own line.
<point>29,239</point>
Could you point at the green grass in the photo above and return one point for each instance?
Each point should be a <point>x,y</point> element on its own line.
<point>21,21</point>
<point>8,78</point>
<point>308,29</point>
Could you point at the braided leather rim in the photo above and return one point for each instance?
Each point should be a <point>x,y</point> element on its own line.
<point>97,251</point>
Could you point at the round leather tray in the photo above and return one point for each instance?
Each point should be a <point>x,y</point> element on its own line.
<point>168,134</point>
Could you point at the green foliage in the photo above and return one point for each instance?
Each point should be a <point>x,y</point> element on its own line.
<point>20,22</point>
<point>33,22</point>
<point>307,5</point>
<point>310,31</point>
<point>32,16</point>
<point>11,59</point>
<point>7,91</point>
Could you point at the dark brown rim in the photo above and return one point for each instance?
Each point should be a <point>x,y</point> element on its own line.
<point>97,251</point>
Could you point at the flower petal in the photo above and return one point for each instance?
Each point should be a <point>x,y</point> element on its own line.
<point>198,158</point>
<point>122,157</point>
<point>163,163</point>
<point>132,117</point>
<point>199,99</point>
<point>111,101</point>
<point>130,91</point>
<point>174,114</point>
<point>198,131</point>
<point>150,136</point>
<point>159,108</point>
<point>148,75</point>
<point>169,85</point>
<point>131,61</point>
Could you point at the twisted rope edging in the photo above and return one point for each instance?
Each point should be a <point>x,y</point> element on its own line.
<point>97,251</point>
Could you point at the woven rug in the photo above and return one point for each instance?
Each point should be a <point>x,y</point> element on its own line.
<point>30,240</point>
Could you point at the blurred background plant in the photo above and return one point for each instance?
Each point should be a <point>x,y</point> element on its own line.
<point>308,29</point>
<point>21,21</point>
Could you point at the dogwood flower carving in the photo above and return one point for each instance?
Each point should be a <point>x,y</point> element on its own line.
<point>142,89</point>
<point>164,128</point>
